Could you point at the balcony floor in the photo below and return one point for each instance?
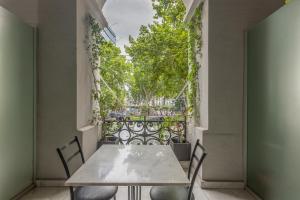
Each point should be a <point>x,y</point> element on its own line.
<point>51,193</point>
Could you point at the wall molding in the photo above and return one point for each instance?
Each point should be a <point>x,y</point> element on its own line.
<point>253,193</point>
<point>50,183</point>
<point>25,191</point>
<point>222,184</point>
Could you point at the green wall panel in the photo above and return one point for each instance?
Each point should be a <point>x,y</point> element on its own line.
<point>274,105</point>
<point>16,105</point>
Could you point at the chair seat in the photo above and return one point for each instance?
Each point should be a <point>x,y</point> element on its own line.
<point>95,192</point>
<point>169,193</point>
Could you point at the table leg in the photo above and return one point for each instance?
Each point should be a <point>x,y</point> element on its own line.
<point>140,192</point>
<point>134,192</point>
<point>129,191</point>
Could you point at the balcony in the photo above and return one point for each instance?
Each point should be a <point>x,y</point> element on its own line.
<point>144,130</point>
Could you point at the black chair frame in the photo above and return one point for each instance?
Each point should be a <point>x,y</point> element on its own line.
<point>65,161</point>
<point>200,161</point>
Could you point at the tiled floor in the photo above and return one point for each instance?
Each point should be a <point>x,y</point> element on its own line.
<point>48,193</point>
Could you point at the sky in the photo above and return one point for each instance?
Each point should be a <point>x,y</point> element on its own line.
<point>126,16</point>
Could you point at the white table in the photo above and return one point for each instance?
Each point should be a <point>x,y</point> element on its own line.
<point>131,165</point>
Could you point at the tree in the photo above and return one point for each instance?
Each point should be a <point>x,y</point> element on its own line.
<point>111,72</point>
<point>160,54</point>
<point>169,11</point>
<point>115,73</point>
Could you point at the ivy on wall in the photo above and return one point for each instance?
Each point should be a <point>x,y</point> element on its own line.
<point>94,47</point>
<point>194,52</point>
<point>110,68</point>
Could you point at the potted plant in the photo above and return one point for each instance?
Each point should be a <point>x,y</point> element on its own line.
<point>181,148</point>
<point>108,137</point>
<point>179,144</point>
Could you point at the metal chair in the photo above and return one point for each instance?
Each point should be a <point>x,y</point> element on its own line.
<point>179,192</point>
<point>86,192</point>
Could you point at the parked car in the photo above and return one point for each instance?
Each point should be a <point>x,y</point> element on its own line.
<point>116,115</point>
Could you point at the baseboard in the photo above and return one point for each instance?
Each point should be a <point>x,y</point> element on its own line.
<point>222,185</point>
<point>25,191</point>
<point>50,183</point>
<point>253,194</point>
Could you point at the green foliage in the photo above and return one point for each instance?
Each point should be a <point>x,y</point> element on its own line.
<point>194,49</point>
<point>159,54</point>
<point>287,1</point>
<point>114,72</point>
<point>137,118</point>
<point>171,122</point>
<point>169,11</point>
<point>95,40</point>
<point>162,60</point>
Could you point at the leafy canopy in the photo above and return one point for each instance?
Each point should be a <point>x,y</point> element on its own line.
<point>159,55</point>
<point>115,72</point>
<point>111,72</point>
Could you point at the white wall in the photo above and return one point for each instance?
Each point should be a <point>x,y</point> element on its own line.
<point>85,78</point>
<point>203,71</point>
<point>65,83</point>
<point>228,21</point>
<point>27,10</point>
<point>84,72</point>
<point>273,82</point>
<point>64,78</point>
<point>56,84</point>
<point>16,105</point>
<point>222,85</point>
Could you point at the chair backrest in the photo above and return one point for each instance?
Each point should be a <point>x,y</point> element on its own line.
<point>197,166</point>
<point>65,160</point>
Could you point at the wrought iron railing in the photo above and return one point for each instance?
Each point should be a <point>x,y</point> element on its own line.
<point>144,131</point>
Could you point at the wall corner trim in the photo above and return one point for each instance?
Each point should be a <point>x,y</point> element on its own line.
<point>25,191</point>
<point>252,193</point>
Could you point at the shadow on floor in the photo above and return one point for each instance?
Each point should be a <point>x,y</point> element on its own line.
<point>56,193</point>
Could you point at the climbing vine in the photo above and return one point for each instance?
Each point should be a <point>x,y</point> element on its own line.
<point>95,39</point>
<point>111,69</point>
<point>114,67</point>
<point>194,50</point>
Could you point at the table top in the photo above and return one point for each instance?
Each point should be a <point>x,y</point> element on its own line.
<point>123,165</point>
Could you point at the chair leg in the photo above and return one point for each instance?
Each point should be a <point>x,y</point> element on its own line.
<point>115,198</point>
